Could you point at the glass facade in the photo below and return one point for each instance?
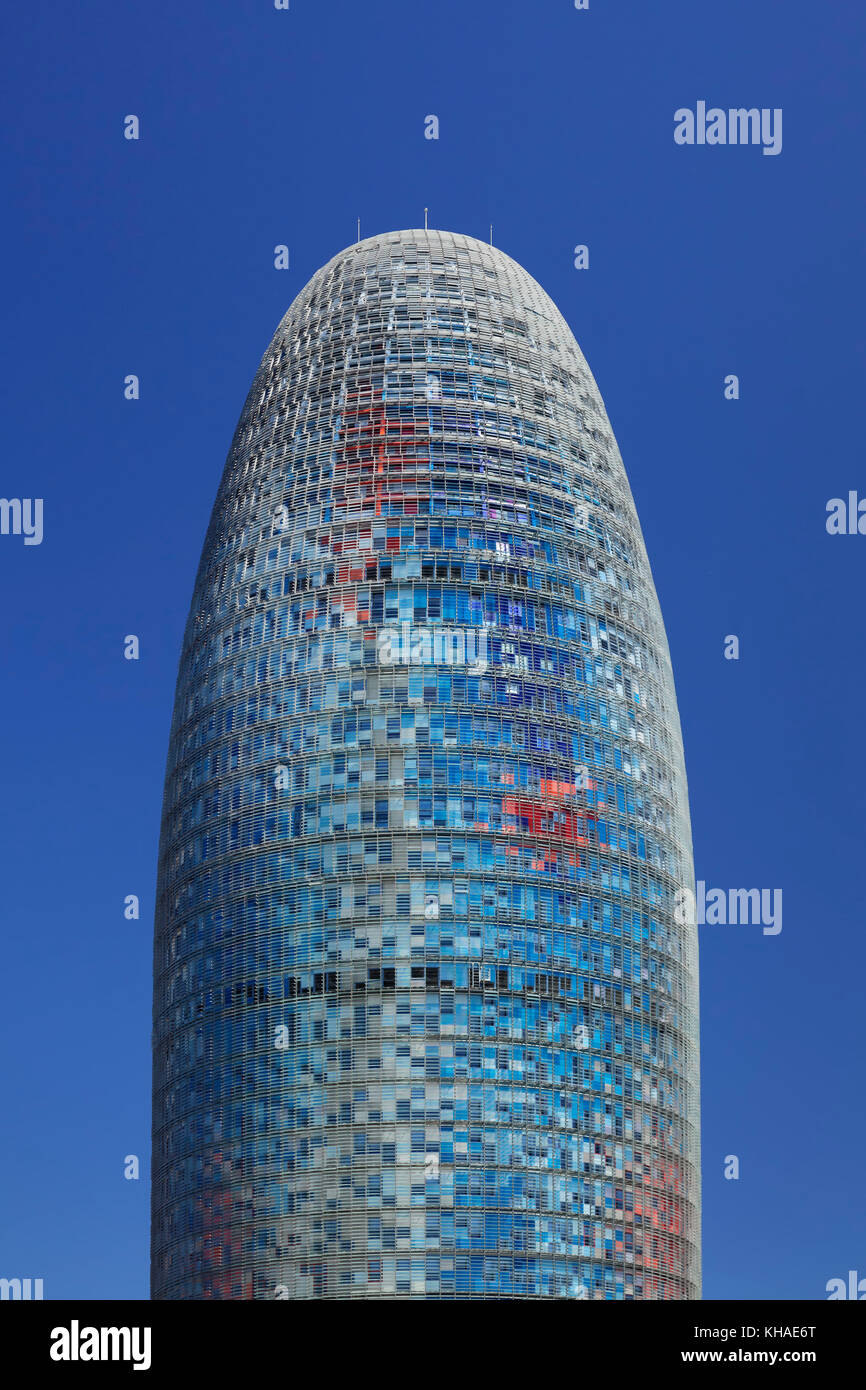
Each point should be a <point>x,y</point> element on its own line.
<point>425,1024</point>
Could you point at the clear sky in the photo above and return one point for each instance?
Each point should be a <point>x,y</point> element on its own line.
<point>155,257</point>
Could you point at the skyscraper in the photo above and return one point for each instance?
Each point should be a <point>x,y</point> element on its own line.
<point>425,1023</point>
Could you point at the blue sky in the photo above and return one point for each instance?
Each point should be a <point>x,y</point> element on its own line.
<point>261,127</point>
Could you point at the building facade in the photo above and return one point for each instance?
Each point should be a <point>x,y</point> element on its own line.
<point>425,1023</point>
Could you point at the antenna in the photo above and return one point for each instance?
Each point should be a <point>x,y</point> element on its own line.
<point>359,229</point>
<point>425,219</point>
<point>491,233</point>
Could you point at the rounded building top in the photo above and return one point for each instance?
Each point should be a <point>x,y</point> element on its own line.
<point>431,249</point>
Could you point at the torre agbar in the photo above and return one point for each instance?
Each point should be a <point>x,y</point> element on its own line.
<point>425,1021</point>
